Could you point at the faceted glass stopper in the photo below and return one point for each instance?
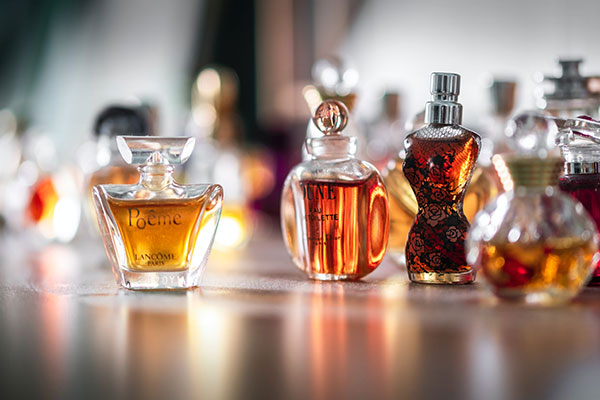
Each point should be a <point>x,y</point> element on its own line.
<point>532,134</point>
<point>331,117</point>
<point>142,150</point>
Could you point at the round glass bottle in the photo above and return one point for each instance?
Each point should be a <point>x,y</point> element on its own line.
<point>534,243</point>
<point>334,208</point>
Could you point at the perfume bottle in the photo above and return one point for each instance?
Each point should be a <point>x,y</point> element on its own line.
<point>218,129</point>
<point>439,162</point>
<point>579,142</point>
<point>483,187</point>
<point>157,234</point>
<point>570,94</point>
<point>334,211</point>
<point>534,243</point>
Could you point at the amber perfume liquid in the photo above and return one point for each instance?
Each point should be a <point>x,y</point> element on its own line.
<point>515,270</point>
<point>158,235</point>
<point>403,209</point>
<point>346,227</point>
<point>439,170</point>
<point>586,189</point>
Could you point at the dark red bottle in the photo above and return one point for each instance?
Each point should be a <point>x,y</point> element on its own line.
<point>586,189</point>
<point>440,158</point>
<point>579,141</point>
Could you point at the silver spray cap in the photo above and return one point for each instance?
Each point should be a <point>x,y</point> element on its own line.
<point>444,108</point>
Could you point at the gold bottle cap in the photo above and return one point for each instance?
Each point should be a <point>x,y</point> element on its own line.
<point>533,172</point>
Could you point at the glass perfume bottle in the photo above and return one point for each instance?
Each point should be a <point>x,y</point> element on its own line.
<point>570,93</point>
<point>157,234</point>
<point>483,187</point>
<point>534,243</point>
<point>439,162</point>
<point>579,142</point>
<point>334,210</point>
<point>218,129</point>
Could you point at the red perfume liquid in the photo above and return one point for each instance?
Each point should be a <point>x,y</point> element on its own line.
<point>586,189</point>
<point>438,165</point>
<point>346,226</point>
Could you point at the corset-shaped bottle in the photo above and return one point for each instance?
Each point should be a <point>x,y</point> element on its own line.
<point>579,141</point>
<point>157,233</point>
<point>439,163</point>
<point>334,208</point>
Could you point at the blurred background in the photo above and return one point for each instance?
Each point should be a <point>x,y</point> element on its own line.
<point>243,77</point>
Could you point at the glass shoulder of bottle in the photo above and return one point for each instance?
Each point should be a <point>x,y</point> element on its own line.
<point>171,191</point>
<point>347,170</point>
<point>441,131</point>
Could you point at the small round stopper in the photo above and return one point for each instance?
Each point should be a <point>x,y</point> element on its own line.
<point>331,117</point>
<point>532,134</point>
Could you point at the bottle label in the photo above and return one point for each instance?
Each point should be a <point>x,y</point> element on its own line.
<point>151,218</point>
<point>157,234</point>
<point>322,212</point>
<point>345,224</point>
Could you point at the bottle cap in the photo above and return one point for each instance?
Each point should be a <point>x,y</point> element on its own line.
<point>153,150</point>
<point>331,117</point>
<point>116,120</point>
<point>570,84</point>
<point>444,108</point>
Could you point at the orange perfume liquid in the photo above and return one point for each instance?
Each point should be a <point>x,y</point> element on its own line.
<point>159,235</point>
<point>346,226</point>
<point>515,270</point>
<point>439,170</point>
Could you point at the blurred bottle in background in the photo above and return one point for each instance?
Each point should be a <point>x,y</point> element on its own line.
<point>41,199</point>
<point>570,94</point>
<point>99,157</point>
<point>219,131</point>
<point>386,133</point>
<point>10,153</point>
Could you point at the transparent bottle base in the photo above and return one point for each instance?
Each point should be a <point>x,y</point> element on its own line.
<point>164,280</point>
<point>545,298</point>
<point>440,278</point>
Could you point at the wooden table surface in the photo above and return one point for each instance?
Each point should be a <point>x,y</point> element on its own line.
<point>258,329</point>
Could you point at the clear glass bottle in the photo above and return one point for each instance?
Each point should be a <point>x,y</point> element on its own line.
<point>157,234</point>
<point>579,142</point>
<point>334,210</point>
<point>534,243</point>
<point>219,157</point>
<point>439,162</point>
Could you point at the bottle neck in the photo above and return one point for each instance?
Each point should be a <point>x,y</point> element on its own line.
<point>443,112</point>
<point>156,177</point>
<point>581,159</point>
<point>331,147</point>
